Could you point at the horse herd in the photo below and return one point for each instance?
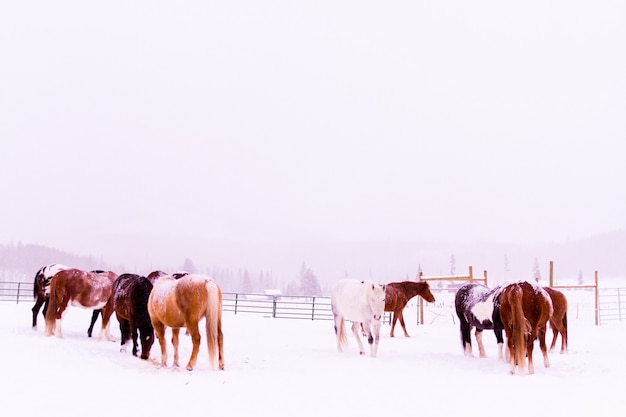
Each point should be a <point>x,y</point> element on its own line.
<point>145,306</point>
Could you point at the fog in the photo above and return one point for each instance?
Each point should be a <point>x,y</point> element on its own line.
<point>290,122</point>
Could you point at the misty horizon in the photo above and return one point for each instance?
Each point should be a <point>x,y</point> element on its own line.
<point>127,128</point>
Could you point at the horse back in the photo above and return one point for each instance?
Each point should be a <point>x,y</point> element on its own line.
<point>478,305</point>
<point>162,304</point>
<point>130,295</point>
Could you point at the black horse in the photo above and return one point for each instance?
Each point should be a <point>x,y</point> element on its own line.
<point>130,302</point>
<point>478,306</point>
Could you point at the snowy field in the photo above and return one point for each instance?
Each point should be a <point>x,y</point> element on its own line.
<point>283,367</point>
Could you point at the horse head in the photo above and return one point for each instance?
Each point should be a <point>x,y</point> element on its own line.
<point>427,294</point>
<point>377,300</point>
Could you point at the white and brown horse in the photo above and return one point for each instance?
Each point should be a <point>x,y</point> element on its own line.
<point>90,290</point>
<point>362,303</point>
<point>183,302</point>
<point>41,289</point>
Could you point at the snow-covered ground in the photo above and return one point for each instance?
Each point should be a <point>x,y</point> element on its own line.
<point>282,367</point>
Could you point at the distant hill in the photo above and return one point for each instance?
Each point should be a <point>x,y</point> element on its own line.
<point>383,261</point>
<point>20,262</point>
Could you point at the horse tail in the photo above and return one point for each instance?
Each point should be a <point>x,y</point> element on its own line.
<point>565,327</point>
<point>51,313</point>
<point>213,317</point>
<point>519,324</point>
<point>342,339</point>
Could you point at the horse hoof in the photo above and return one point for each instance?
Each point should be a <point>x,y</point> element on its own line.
<point>189,368</point>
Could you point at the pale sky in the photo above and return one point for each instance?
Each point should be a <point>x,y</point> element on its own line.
<point>287,120</point>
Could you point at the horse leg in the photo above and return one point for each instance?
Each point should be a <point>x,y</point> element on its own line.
<point>125,332</point>
<point>135,334</point>
<point>401,317</point>
<point>355,330</point>
<point>58,330</point>
<point>542,345</point>
<point>35,311</point>
<point>192,329</point>
<point>374,348</point>
<point>175,334</point>
<point>94,317</point>
<point>479,341</point>
<point>159,329</point>
<point>555,334</point>
<point>105,332</point>
<point>497,330</point>
<point>393,324</point>
<point>466,340</point>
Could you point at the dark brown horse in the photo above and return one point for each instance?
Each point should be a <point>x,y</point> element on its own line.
<point>130,302</point>
<point>558,321</point>
<point>525,310</point>
<point>184,302</point>
<point>398,294</point>
<point>82,289</point>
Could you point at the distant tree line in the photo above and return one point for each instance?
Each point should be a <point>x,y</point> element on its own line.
<point>20,262</point>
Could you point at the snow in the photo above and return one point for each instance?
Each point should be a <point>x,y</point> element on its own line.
<point>292,368</point>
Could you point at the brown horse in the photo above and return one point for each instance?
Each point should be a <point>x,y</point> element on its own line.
<point>398,294</point>
<point>558,321</point>
<point>91,290</point>
<point>525,309</point>
<point>184,302</point>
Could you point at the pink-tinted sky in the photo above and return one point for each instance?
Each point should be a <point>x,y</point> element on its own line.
<point>277,121</point>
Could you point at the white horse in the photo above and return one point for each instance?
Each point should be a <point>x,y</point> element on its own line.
<point>362,303</point>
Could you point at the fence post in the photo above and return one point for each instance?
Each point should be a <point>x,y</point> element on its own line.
<point>236,299</point>
<point>597,299</point>
<point>273,306</point>
<point>17,299</point>
<point>313,308</point>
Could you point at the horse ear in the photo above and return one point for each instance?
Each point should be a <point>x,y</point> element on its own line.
<point>384,287</point>
<point>372,286</point>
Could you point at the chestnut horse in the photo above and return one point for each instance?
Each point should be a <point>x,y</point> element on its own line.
<point>41,289</point>
<point>130,303</point>
<point>398,294</point>
<point>184,302</point>
<point>362,303</point>
<point>558,321</point>
<point>525,310</point>
<point>478,306</point>
<point>81,289</point>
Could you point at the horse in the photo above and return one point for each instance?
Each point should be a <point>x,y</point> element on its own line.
<point>154,275</point>
<point>81,289</point>
<point>558,321</point>
<point>362,303</point>
<point>398,294</point>
<point>184,302</point>
<point>478,306</point>
<point>525,309</point>
<point>41,289</point>
<point>130,302</point>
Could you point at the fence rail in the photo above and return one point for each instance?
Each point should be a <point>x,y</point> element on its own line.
<point>611,305</point>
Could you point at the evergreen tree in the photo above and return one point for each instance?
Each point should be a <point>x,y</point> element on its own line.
<point>188,266</point>
<point>537,270</point>
<point>309,285</point>
<point>452,265</point>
